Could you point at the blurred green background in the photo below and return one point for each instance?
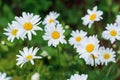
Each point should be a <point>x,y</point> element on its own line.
<point>71,12</point>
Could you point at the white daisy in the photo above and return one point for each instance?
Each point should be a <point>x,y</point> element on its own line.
<point>54,35</point>
<point>118,19</point>
<point>93,15</point>
<point>29,23</point>
<point>107,55</point>
<point>27,55</point>
<point>78,77</point>
<point>3,76</point>
<point>88,45</point>
<point>77,37</point>
<point>111,33</point>
<point>50,19</point>
<point>14,31</point>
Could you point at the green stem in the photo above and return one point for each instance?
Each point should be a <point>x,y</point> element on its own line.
<point>58,51</point>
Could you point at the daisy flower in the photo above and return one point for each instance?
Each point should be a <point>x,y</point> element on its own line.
<point>14,31</point>
<point>54,35</point>
<point>93,15</point>
<point>111,33</point>
<point>88,45</point>
<point>50,19</point>
<point>118,19</point>
<point>78,77</point>
<point>3,76</point>
<point>27,55</point>
<point>77,37</point>
<point>107,55</point>
<point>29,23</point>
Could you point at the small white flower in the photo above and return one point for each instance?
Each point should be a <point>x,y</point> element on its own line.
<point>88,50</point>
<point>88,45</point>
<point>118,19</point>
<point>27,55</point>
<point>107,55</point>
<point>78,77</point>
<point>93,15</point>
<point>35,76</point>
<point>14,31</point>
<point>3,76</point>
<point>29,23</point>
<point>77,37</point>
<point>111,33</point>
<point>50,19</point>
<point>54,35</point>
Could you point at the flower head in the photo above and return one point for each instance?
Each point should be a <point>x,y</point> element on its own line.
<point>27,55</point>
<point>93,15</point>
<point>107,55</point>
<point>77,37</point>
<point>51,19</point>
<point>88,45</point>
<point>29,23</point>
<point>14,31</point>
<point>111,33</point>
<point>54,35</point>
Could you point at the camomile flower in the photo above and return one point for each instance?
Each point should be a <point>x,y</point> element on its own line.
<point>107,55</point>
<point>28,54</point>
<point>29,23</point>
<point>78,77</point>
<point>3,76</point>
<point>93,15</point>
<point>77,37</point>
<point>88,45</point>
<point>14,31</point>
<point>118,19</point>
<point>111,33</point>
<point>54,35</point>
<point>50,19</point>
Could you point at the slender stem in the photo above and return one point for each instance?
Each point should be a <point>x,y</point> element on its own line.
<point>58,51</point>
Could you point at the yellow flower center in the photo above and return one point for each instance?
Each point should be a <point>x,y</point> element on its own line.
<point>51,20</point>
<point>28,26</point>
<point>89,47</point>
<point>29,57</point>
<point>92,17</point>
<point>113,33</point>
<point>106,56</point>
<point>14,32</point>
<point>78,38</point>
<point>55,35</point>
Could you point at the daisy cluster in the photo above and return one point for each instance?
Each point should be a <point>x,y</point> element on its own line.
<point>88,47</point>
<point>23,27</point>
<point>90,50</point>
